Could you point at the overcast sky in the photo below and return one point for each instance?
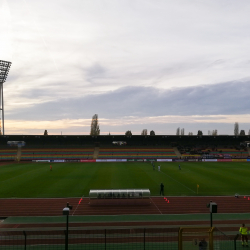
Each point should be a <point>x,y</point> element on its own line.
<point>138,64</point>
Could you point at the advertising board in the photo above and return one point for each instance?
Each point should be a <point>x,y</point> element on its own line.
<point>210,160</point>
<point>164,159</point>
<point>41,160</point>
<point>239,160</point>
<point>111,160</point>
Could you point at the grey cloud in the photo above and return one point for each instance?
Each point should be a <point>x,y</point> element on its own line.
<point>96,70</point>
<point>218,99</point>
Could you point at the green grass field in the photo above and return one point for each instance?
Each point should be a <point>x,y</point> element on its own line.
<point>35,180</point>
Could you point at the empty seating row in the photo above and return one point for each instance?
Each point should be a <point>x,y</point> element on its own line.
<point>8,154</point>
<point>76,153</point>
<point>227,151</point>
<point>136,153</point>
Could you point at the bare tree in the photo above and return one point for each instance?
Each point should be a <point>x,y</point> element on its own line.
<point>94,129</point>
<point>236,128</point>
<point>199,132</point>
<point>45,132</point>
<point>190,133</point>
<point>242,132</point>
<point>128,133</point>
<point>144,132</point>
<point>178,131</point>
<point>182,131</point>
<point>215,132</point>
<point>152,132</point>
<point>209,132</point>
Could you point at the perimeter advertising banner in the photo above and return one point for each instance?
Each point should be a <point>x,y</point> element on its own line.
<point>41,160</point>
<point>225,160</point>
<point>239,160</point>
<point>111,160</point>
<point>147,160</point>
<point>214,160</point>
<point>87,160</point>
<point>164,159</point>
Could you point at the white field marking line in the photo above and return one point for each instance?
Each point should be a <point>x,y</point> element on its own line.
<point>77,206</point>
<point>179,182</point>
<point>155,205</point>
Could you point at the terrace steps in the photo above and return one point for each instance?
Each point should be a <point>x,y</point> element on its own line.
<point>19,153</point>
<point>96,153</point>
<point>177,152</point>
<point>176,205</point>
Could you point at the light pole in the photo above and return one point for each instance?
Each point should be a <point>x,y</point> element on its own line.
<point>66,212</point>
<point>4,70</point>
<point>213,209</point>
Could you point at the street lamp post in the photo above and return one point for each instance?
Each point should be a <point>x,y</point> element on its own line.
<point>213,209</point>
<point>66,212</point>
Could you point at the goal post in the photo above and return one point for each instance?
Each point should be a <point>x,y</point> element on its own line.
<point>190,237</point>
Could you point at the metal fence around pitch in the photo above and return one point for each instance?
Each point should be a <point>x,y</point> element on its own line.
<point>223,241</point>
<point>93,239</point>
<point>112,239</point>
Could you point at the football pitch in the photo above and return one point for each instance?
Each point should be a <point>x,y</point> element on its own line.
<point>35,180</point>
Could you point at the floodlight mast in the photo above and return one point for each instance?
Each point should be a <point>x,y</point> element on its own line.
<point>4,71</point>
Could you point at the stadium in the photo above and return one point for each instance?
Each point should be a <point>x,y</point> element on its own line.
<point>107,195</point>
<point>160,69</point>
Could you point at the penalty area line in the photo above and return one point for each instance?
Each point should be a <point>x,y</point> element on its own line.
<point>178,182</point>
